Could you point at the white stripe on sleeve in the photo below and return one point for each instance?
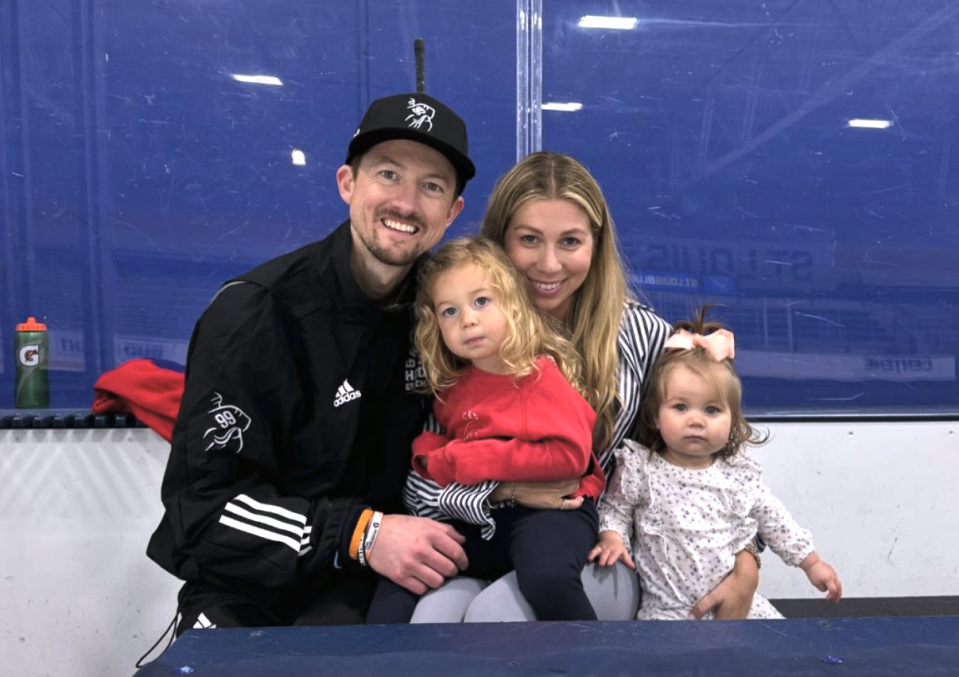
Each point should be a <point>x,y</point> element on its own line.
<point>262,533</point>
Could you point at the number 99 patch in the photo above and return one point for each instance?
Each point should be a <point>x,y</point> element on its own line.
<point>227,425</point>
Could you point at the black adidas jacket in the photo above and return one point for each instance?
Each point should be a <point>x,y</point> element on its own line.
<point>299,411</point>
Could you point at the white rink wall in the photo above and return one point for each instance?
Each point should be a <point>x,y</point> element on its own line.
<point>880,500</point>
<point>80,598</point>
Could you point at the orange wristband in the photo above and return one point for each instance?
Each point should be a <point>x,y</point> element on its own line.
<point>358,533</point>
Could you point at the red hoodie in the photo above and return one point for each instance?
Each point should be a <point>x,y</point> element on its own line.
<point>535,429</point>
<point>141,388</point>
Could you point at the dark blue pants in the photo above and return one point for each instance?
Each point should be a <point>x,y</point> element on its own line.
<point>547,548</point>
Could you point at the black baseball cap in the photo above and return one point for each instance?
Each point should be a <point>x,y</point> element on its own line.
<point>417,117</point>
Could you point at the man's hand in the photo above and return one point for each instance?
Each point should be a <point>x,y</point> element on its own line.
<point>416,552</point>
<point>539,495</point>
<point>733,597</point>
<point>609,550</point>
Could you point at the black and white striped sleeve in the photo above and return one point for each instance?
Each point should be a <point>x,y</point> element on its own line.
<point>642,334</point>
<point>470,504</point>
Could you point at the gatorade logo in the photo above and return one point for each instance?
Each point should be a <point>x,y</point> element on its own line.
<point>30,355</point>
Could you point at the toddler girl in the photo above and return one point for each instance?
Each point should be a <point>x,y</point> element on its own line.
<point>502,380</point>
<point>687,498</point>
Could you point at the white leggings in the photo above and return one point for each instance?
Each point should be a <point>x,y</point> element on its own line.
<point>613,592</point>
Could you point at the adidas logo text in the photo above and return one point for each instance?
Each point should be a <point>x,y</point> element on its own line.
<point>346,398</point>
<point>345,393</point>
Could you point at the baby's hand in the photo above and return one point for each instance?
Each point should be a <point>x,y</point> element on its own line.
<point>824,578</point>
<point>609,550</point>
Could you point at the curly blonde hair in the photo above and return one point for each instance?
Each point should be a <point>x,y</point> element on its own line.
<point>720,377</point>
<point>529,334</point>
<point>597,308</point>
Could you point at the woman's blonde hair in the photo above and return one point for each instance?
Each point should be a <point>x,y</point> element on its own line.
<point>529,334</point>
<point>597,307</point>
<point>720,377</point>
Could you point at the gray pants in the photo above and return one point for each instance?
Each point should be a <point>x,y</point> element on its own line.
<point>613,592</point>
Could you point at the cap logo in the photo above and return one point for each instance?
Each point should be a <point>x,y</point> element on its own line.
<point>421,115</point>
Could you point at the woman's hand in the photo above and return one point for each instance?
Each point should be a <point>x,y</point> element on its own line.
<point>609,550</point>
<point>539,495</point>
<point>733,597</point>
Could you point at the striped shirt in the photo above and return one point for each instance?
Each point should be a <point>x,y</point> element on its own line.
<point>642,334</point>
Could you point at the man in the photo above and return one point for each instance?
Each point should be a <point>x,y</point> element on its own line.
<point>300,402</point>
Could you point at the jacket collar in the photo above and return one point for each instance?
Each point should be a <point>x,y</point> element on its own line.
<point>356,305</point>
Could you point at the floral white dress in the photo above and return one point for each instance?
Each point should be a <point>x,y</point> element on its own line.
<point>684,527</point>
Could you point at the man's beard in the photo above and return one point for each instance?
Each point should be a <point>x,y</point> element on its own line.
<point>386,254</point>
<point>391,257</point>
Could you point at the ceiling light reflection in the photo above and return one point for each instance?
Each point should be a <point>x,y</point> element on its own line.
<point>298,157</point>
<point>258,79</point>
<point>869,124</point>
<point>620,23</point>
<point>571,107</point>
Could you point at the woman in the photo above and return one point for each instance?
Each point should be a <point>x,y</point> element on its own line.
<point>550,216</point>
